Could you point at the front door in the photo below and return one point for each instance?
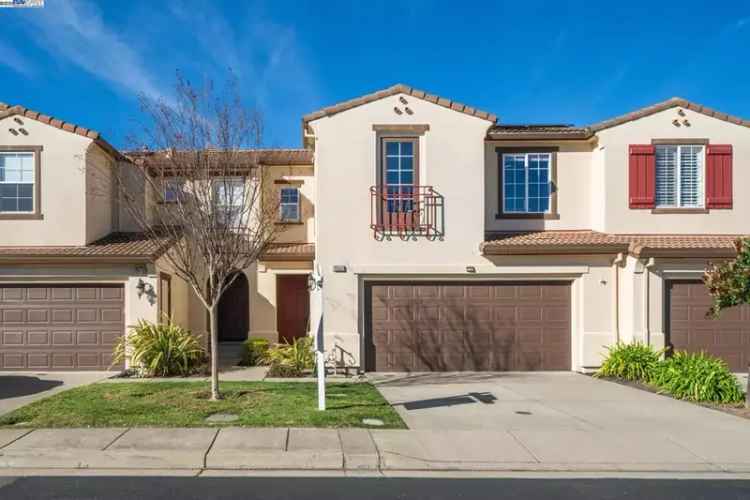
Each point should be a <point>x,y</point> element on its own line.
<point>234,311</point>
<point>293,307</point>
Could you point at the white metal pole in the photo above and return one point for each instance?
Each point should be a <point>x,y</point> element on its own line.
<point>320,348</point>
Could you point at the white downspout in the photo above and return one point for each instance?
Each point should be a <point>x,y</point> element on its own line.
<point>616,292</point>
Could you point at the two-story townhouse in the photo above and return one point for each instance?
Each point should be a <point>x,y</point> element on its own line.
<point>445,239</point>
<point>75,272</point>
<point>449,241</point>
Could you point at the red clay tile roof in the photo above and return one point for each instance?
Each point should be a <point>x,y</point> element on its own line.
<point>670,103</point>
<point>399,88</point>
<point>268,157</point>
<point>121,246</point>
<point>7,110</point>
<point>562,132</point>
<point>290,251</point>
<point>591,242</point>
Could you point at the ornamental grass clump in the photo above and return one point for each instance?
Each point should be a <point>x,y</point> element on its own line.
<point>629,361</point>
<point>290,360</point>
<point>697,377</point>
<point>160,350</point>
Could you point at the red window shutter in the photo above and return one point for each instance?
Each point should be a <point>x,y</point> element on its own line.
<point>719,176</point>
<point>642,176</point>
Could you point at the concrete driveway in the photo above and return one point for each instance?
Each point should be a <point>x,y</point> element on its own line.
<point>540,401</point>
<point>21,388</point>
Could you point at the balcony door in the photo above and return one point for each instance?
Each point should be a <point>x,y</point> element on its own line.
<point>400,177</point>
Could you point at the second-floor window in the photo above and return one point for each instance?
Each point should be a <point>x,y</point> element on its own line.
<point>400,172</point>
<point>17,182</point>
<point>526,183</point>
<point>679,176</point>
<point>289,204</point>
<point>229,197</point>
<point>173,190</point>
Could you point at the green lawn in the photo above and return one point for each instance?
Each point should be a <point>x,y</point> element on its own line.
<point>186,404</point>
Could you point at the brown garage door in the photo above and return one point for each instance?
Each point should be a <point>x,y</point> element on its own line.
<point>60,327</point>
<point>688,329</point>
<point>460,326</point>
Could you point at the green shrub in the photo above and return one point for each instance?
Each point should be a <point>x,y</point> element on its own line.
<point>255,349</point>
<point>696,377</point>
<point>160,350</point>
<point>290,360</point>
<point>629,361</point>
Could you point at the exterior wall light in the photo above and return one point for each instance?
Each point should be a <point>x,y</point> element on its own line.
<point>471,269</point>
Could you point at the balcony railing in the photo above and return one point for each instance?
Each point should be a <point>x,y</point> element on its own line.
<point>406,212</point>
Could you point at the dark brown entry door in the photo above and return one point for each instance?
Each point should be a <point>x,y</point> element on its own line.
<point>727,337</point>
<point>234,311</point>
<point>475,327</point>
<point>60,326</point>
<point>293,306</point>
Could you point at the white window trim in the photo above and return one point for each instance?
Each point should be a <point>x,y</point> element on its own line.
<point>678,180</point>
<point>526,183</point>
<point>33,183</point>
<point>282,204</point>
<point>173,180</point>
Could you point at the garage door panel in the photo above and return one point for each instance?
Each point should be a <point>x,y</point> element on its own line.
<point>13,316</point>
<point>60,326</point>
<point>727,337</point>
<point>486,326</point>
<point>12,337</point>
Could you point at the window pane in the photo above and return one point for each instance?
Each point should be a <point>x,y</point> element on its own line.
<point>514,183</point>
<point>666,176</point>
<point>407,163</point>
<point>8,205</point>
<point>691,176</point>
<point>25,205</point>
<point>407,148</point>
<point>25,190</point>
<point>12,175</point>
<point>289,212</point>
<point>391,177</point>
<point>391,163</point>
<point>8,190</point>
<point>391,148</point>
<point>407,178</point>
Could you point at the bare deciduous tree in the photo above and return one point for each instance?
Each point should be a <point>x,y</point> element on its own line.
<point>202,187</point>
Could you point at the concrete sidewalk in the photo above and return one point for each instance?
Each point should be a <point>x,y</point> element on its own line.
<point>362,450</point>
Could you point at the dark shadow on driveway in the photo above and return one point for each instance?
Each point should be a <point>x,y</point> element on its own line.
<point>13,386</point>
<point>470,398</point>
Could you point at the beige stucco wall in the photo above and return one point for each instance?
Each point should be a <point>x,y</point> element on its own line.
<point>575,178</point>
<point>302,177</point>
<point>100,193</point>
<point>619,218</point>
<point>63,184</point>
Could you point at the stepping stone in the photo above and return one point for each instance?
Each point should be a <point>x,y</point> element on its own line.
<point>375,422</point>
<point>222,417</point>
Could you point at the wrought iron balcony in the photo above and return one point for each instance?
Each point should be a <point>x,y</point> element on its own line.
<point>407,212</point>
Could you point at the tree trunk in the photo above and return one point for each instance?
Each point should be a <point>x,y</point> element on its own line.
<point>213,315</point>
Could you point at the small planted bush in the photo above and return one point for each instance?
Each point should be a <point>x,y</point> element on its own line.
<point>160,350</point>
<point>290,360</point>
<point>255,350</point>
<point>629,361</point>
<point>696,377</point>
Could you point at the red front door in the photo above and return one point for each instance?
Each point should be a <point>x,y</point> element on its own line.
<point>292,306</point>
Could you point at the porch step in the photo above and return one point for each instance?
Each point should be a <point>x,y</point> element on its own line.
<point>230,353</point>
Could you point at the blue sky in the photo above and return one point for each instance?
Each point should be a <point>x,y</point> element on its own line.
<point>85,61</point>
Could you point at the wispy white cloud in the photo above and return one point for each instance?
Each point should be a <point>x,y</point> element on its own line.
<point>13,59</point>
<point>76,32</point>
